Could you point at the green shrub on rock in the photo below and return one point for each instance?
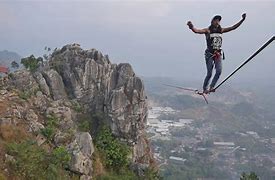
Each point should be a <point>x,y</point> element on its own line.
<point>115,152</point>
<point>33,162</point>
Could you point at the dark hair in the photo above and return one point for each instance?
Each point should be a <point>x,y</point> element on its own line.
<point>219,28</point>
<point>216,17</point>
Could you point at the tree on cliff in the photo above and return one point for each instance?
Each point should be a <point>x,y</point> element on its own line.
<point>251,176</point>
<point>14,65</point>
<point>32,63</point>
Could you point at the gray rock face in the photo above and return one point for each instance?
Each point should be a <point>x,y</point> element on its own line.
<point>55,84</point>
<point>113,89</point>
<point>42,82</point>
<point>82,149</point>
<point>23,81</point>
<point>32,118</point>
<point>62,113</point>
<point>88,77</point>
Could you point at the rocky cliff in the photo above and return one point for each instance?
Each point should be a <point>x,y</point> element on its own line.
<point>71,83</point>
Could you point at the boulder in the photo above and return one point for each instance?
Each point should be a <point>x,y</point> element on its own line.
<point>81,150</point>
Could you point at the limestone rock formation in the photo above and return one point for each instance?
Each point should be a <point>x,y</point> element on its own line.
<point>82,149</point>
<point>90,79</point>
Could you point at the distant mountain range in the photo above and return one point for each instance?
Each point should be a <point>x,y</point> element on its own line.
<point>6,57</point>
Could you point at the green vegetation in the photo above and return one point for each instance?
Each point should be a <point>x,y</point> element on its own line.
<point>92,123</point>
<point>61,157</point>
<point>31,63</point>
<point>84,126</point>
<point>11,75</point>
<point>251,176</point>
<point>24,95</point>
<point>152,174</point>
<point>76,106</point>
<point>125,174</point>
<point>33,162</point>
<point>255,168</point>
<point>84,122</point>
<point>2,176</point>
<point>114,152</point>
<point>50,128</point>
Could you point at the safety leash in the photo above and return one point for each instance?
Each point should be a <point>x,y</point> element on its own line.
<point>249,59</point>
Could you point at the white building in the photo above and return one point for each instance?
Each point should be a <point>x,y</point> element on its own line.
<point>186,121</point>
<point>224,143</point>
<point>253,134</point>
<point>177,159</point>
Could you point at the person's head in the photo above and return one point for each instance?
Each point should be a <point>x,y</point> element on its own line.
<point>216,20</point>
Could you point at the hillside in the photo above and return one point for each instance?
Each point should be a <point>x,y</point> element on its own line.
<point>74,116</point>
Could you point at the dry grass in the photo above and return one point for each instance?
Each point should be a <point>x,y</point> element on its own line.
<point>2,160</point>
<point>3,108</point>
<point>2,176</point>
<point>2,153</point>
<point>98,167</point>
<point>11,133</point>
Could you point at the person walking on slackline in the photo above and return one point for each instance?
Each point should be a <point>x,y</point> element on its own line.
<point>213,52</point>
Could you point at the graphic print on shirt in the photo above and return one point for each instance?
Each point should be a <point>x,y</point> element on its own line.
<point>216,39</point>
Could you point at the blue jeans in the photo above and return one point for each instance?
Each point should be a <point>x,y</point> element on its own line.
<point>210,62</point>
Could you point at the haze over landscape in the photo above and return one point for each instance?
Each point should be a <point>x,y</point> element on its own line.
<point>144,33</point>
<point>80,114</point>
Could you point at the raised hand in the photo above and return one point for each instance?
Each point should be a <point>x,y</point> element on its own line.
<point>244,16</point>
<point>189,23</point>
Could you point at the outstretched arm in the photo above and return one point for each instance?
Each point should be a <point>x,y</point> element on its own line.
<point>195,30</point>
<point>225,30</point>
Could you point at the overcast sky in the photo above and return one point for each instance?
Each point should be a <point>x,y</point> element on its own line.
<point>151,35</point>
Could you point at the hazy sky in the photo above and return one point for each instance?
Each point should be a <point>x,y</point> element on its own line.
<point>151,35</point>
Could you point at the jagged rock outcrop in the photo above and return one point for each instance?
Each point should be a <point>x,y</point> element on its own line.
<point>88,77</point>
<point>82,149</point>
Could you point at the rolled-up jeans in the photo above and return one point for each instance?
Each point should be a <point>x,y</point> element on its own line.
<point>210,62</point>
